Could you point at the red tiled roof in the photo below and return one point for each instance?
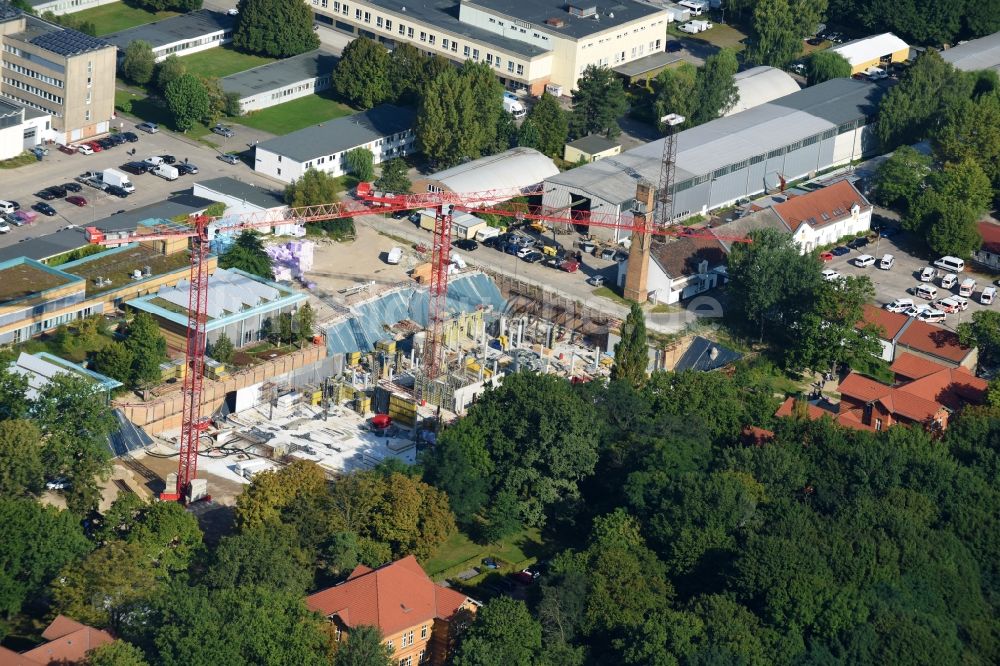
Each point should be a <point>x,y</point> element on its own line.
<point>891,323</point>
<point>950,387</point>
<point>862,388</point>
<point>68,643</point>
<point>913,367</point>
<point>990,231</point>
<point>934,340</point>
<point>820,207</point>
<point>392,598</point>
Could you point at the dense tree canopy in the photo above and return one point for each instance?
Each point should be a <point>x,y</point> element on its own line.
<point>632,350</point>
<point>598,101</point>
<point>550,127</point>
<point>137,65</point>
<point>274,28</point>
<point>187,100</point>
<point>825,65</point>
<point>247,253</point>
<point>393,176</point>
<point>313,188</point>
<point>362,74</point>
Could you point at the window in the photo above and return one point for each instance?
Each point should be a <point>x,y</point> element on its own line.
<point>465,51</point>
<point>378,21</point>
<point>430,39</point>
<point>658,42</point>
<point>409,33</point>
<point>510,65</point>
<point>336,7</point>
<point>520,70</point>
<point>454,46</point>
<point>402,29</point>
<point>444,44</point>
<point>357,14</point>
<point>392,648</point>
<point>347,8</point>
<point>423,631</point>
<point>279,172</point>
<point>489,58</point>
<point>88,97</point>
<point>422,656</point>
<point>878,424</point>
<point>388,25</point>
<point>402,641</point>
<point>86,115</point>
<point>475,54</point>
<point>407,661</point>
<point>423,36</point>
<point>411,637</point>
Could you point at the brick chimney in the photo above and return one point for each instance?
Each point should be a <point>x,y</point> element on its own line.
<point>638,255</point>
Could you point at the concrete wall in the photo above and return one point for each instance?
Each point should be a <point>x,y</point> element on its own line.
<point>164,413</point>
<point>11,141</point>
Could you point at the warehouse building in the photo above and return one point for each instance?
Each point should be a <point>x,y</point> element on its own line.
<point>734,157</point>
<point>976,54</point>
<point>759,85</point>
<point>386,130</point>
<point>179,35</point>
<point>529,43</point>
<point>514,169</point>
<point>875,51</point>
<point>242,305</point>
<point>282,80</point>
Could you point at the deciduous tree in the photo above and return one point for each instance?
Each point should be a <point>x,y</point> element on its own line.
<point>222,349</point>
<point>187,101</point>
<point>715,87</point>
<point>675,91</point>
<point>552,124</point>
<point>117,653</point>
<point>361,163</point>
<point>313,188</point>
<point>148,348</point>
<point>268,557</point>
<point>971,130</point>
<point>393,176</point>
<point>775,42</point>
<point>487,103</point>
<point>825,65</point>
<point>983,332</point>
<point>274,28</point>
<point>115,360</point>
<point>22,472</point>
<point>138,63</point>
<point>362,75</point>
<point>168,70</point>
<point>503,634</point>
<point>445,120</point>
<point>900,178</point>
<point>305,319</point>
<point>364,647</point>
<point>598,101</point>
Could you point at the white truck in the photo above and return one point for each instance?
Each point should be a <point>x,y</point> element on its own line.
<point>694,27</point>
<point>513,106</point>
<point>166,172</point>
<point>113,177</point>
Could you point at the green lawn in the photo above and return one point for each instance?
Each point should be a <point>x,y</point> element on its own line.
<point>722,35</point>
<point>460,552</point>
<point>295,115</point>
<point>119,16</point>
<point>154,111</point>
<point>221,61</point>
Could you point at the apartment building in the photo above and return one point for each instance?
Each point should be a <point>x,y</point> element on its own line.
<point>529,43</point>
<point>412,612</point>
<point>58,71</point>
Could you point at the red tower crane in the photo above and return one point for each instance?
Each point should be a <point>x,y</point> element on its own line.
<point>368,201</point>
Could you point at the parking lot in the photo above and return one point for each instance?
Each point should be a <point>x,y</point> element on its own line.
<point>905,275</point>
<point>56,168</point>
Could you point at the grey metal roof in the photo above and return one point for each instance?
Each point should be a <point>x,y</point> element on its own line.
<point>70,238</point>
<point>29,112</point>
<point>593,143</point>
<point>648,63</point>
<point>982,53</point>
<point>724,141</point>
<point>536,12</point>
<point>444,15</point>
<point>175,29</point>
<point>341,134</point>
<point>705,355</point>
<point>67,42</point>
<point>232,187</point>
<point>280,73</point>
<point>9,108</point>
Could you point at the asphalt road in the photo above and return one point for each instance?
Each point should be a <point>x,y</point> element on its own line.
<point>20,184</point>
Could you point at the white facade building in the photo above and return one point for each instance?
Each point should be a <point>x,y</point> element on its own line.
<point>180,35</point>
<point>59,7</point>
<point>681,268</point>
<point>282,80</point>
<point>386,130</point>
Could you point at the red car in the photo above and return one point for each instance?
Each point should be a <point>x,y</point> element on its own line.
<point>569,266</point>
<point>826,256</point>
<point>77,201</point>
<point>96,147</point>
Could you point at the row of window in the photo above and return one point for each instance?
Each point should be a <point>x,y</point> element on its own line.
<point>33,105</point>
<point>425,37</point>
<point>51,80</point>
<point>226,36</point>
<point>522,27</point>
<point>777,152</point>
<point>302,87</point>
<point>34,90</point>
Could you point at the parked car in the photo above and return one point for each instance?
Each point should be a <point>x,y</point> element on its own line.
<point>525,576</point>
<point>223,130</point>
<point>596,280</point>
<point>830,275</point>
<point>106,143</point>
<point>927,274</point>
<point>414,217</point>
<point>916,310</point>
<point>57,190</point>
<point>168,159</point>
<point>72,187</point>
<point>4,227</point>
<point>569,266</point>
<point>47,195</point>
<point>44,208</point>
<point>229,158</point>
<point>840,251</point>
<point>466,244</point>
<point>400,214</point>
<point>552,262</point>
<point>77,201</point>
<point>952,304</point>
<point>116,139</point>
<point>858,243</point>
<point>134,168</point>
<point>826,256</point>
<point>864,261</point>
<point>130,137</point>
<point>149,128</point>
<point>117,190</point>
<point>673,46</point>
<point>524,252</point>
<point>899,305</point>
<point>932,316</point>
<point>84,149</point>
<point>493,242</point>
<point>490,563</point>
<point>69,150</point>
<point>533,257</point>
<point>186,168</point>
<point>95,146</point>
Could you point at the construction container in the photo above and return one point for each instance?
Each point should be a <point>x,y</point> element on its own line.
<point>363,405</point>
<point>354,358</point>
<point>387,345</point>
<point>403,409</point>
<point>313,394</point>
<point>168,371</point>
<point>215,370</point>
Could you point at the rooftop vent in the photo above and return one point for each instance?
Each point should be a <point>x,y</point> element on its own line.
<point>582,11</point>
<point>555,22</point>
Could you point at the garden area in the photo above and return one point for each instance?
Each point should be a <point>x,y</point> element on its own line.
<point>221,61</point>
<point>118,16</point>
<point>460,553</point>
<point>297,114</point>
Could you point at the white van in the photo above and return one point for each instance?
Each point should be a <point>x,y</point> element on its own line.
<point>968,286</point>
<point>948,280</point>
<point>927,274</point>
<point>989,293</point>
<point>394,255</point>
<point>887,262</point>
<point>7,207</point>
<point>950,264</point>
<point>926,291</point>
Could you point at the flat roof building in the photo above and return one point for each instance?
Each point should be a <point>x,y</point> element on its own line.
<point>733,157</point>
<point>529,43</point>
<point>282,80</point>
<point>58,71</point>
<point>386,130</point>
<point>590,149</point>
<point>179,35</point>
<point>976,54</point>
<point>240,304</point>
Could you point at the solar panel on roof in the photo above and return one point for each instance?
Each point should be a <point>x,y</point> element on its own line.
<point>68,42</point>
